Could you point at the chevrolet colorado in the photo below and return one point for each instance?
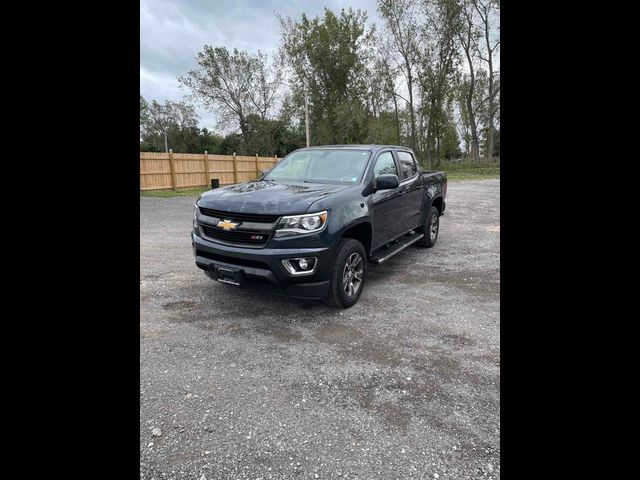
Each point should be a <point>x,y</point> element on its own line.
<point>310,225</point>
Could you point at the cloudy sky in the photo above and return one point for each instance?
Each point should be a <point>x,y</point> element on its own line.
<point>172,32</point>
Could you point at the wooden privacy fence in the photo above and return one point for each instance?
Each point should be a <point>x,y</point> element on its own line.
<point>162,171</point>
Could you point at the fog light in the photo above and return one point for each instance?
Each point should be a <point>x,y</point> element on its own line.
<point>300,266</point>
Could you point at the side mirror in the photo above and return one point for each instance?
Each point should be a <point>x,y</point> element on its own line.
<point>387,182</point>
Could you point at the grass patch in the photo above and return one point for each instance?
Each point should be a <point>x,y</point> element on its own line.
<point>191,192</point>
<point>470,171</point>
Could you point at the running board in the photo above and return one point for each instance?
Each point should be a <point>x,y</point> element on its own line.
<point>397,248</point>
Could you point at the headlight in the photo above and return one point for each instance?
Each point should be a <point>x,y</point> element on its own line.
<point>195,215</point>
<point>299,224</point>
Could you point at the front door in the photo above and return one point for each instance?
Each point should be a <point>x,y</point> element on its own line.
<point>387,204</point>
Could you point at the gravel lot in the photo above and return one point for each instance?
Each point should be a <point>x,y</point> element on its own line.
<point>245,385</point>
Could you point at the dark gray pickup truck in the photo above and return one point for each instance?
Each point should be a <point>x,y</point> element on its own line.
<point>308,227</point>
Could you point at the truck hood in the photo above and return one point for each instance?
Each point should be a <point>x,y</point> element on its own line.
<point>268,197</point>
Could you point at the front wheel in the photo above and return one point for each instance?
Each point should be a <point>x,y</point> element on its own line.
<point>430,229</point>
<point>349,274</point>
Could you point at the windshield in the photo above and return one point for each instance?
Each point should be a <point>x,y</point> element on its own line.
<point>321,166</point>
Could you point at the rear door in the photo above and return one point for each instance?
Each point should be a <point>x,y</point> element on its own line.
<point>411,190</point>
<point>387,204</point>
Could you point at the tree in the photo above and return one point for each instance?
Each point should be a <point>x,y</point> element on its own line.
<point>383,124</point>
<point>463,125</point>
<point>467,35</point>
<point>402,30</point>
<point>330,55</point>
<point>169,121</point>
<point>437,73</point>
<point>429,80</point>
<point>272,137</point>
<point>496,144</point>
<point>487,10</point>
<point>233,85</point>
<point>144,116</point>
<point>473,108</point>
<point>209,142</point>
<point>449,142</point>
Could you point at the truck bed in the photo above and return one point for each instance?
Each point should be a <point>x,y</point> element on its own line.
<point>431,173</point>
<point>433,176</point>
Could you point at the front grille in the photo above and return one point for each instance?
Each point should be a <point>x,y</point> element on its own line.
<point>236,236</point>
<point>243,217</point>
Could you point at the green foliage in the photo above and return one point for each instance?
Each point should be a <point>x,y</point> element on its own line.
<point>405,85</point>
<point>496,143</point>
<point>470,171</point>
<point>234,85</point>
<point>170,125</point>
<point>270,137</point>
<point>144,116</point>
<point>190,140</point>
<point>329,55</point>
<point>232,144</point>
<point>179,121</point>
<point>208,141</point>
<point>438,73</point>
<point>382,129</point>
<point>449,142</point>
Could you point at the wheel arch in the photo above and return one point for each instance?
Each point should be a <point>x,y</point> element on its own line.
<point>361,231</point>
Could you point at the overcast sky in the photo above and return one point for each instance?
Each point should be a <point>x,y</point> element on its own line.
<point>172,32</point>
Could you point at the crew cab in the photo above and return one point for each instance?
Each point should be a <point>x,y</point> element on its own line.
<point>309,227</point>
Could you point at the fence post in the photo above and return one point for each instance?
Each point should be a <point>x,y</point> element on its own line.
<point>206,168</point>
<point>235,169</point>
<point>174,185</point>
<point>257,167</point>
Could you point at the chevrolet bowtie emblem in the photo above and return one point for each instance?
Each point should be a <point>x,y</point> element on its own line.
<point>227,225</point>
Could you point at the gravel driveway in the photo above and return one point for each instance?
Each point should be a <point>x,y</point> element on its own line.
<point>404,384</point>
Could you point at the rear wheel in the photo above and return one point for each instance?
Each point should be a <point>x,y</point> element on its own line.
<point>430,229</point>
<point>349,274</point>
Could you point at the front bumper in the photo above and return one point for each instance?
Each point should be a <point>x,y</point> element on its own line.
<point>262,268</point>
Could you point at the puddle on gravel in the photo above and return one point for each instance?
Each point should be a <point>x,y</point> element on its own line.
<point>154,334</point>
<point>281,332</point>
<point>225,322</point>
<point>468,281</point>
<point>439,363</point>
<point>336,334</point>
<point>457,340</point>
<point>394,416</point>
<point>234,329</point>
<point>353,343</point>
<point>179,305</point>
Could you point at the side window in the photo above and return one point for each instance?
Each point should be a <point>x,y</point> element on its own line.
<point>407,164</point>
<point>385,165</point>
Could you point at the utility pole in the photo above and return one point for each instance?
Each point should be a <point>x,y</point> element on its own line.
<point>306,112</point>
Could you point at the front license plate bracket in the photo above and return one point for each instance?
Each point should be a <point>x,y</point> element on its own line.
<point>229,275</point>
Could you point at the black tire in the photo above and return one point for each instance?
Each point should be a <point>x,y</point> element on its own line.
<point>430,237</point>
<point>354,272</point>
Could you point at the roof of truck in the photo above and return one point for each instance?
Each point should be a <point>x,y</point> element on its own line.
<point>373,147</point>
